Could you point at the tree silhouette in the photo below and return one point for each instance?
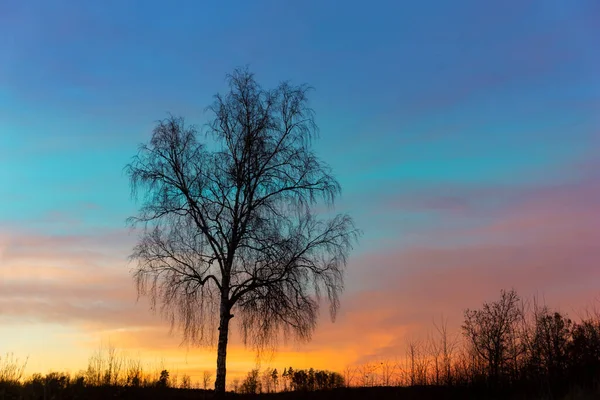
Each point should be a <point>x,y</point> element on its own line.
<point>491,330</point>
<point>548,344</point>
<point>163,380</point>
<point>252,384</point>
<point>275,378</point>
<point>228,225</point>
<point>584,352</point>
<point>206,378</point>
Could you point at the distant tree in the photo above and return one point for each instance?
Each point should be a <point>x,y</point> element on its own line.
<point>133,372</point>
<point>300,380</point>
<point>388,370</point>
<point>54,383</point>
<point>336,380</point>
<point>584,352</point>
<point>267,381</point>
<point>284,379</point>
<point>186,382</point>
<point>206,378</point>
<point>310,379</point>
<point>367,374</point>
<point>163,380</point>
<point>252,384</point>
<point>229,226</point>
<point>442,348</point>
<point>490,331</point>
<point>288,376</point>
<point>11,368</point>
<point>417,363</point>
<point>548,344</point>
<point>236,385</point>
<point>305,379</point>
<point>349,373</point>
<point>275,378</point>
<point>321,380</point>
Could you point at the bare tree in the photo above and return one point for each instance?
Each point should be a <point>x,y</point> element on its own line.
<point>491,331</point>
<point>206,378</point>
<point>442,349</point>
<point>548,338</point>
<point>388,370</point>
<point>229,227</point>
<point>435,352</point>
<point>268,383</point>
<point>236,385</point>
<point>186,382</point>
<point>252,383</point>
<point>349,374</point>
<point>368,374</point>
<point>417,363</point>
<point>411,361</point>
<point>11,368</point>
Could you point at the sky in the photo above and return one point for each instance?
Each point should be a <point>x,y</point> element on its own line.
<point>464,134</point>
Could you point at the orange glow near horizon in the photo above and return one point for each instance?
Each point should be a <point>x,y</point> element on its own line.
<point>462,140</point>
<point>63,301</point>
<point>62,297</point>
<point>72,348</point>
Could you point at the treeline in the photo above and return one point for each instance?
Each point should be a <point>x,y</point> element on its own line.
<point>270,381</point>
<point>510,348</point>
<point>109,373</point>
<point>508,345</point>
<point>512,344</point>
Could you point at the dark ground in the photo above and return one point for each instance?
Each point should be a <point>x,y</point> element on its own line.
<point>383,393</point>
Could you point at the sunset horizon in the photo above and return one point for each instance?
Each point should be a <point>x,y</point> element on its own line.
<point>464,140</point>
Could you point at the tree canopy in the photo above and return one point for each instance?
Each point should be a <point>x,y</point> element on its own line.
<point>231,230</point>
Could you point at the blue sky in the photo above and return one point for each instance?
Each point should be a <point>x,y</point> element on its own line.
<point>442,120</point>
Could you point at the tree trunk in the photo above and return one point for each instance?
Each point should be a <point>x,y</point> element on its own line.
<point>225,316</point>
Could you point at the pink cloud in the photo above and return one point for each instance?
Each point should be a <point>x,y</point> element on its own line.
<point>68,278</point>
<point>540,241</point>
